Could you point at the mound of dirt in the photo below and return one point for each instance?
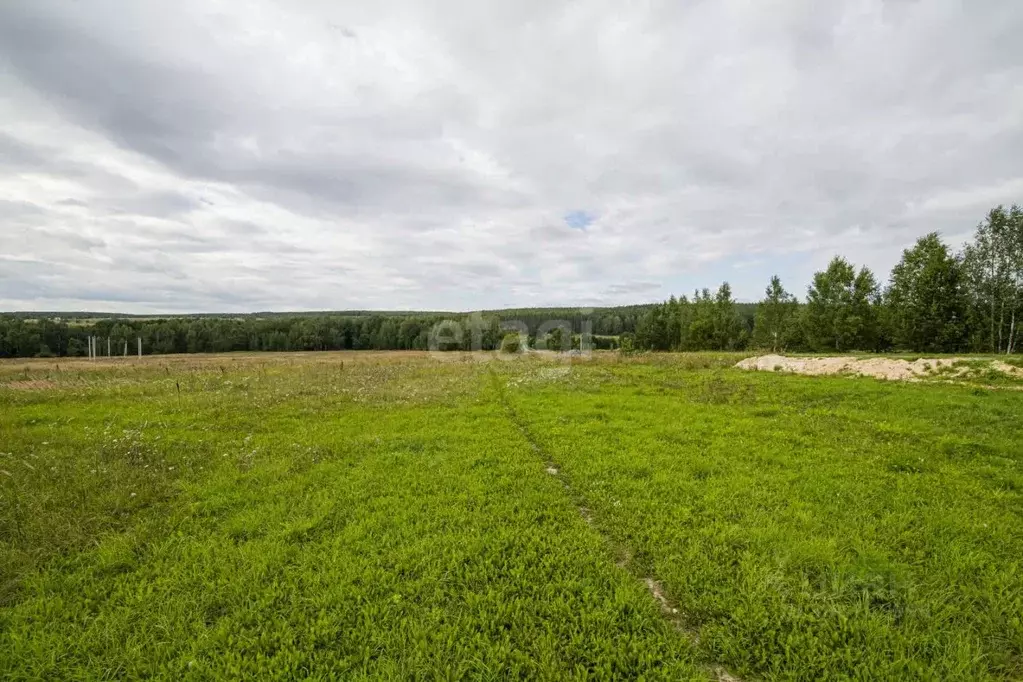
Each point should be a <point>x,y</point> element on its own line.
<point>880,368</point>
<point>1006,368</point>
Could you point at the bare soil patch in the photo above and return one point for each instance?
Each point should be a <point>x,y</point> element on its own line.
<point>1006,368</point>
<point>880,368</point>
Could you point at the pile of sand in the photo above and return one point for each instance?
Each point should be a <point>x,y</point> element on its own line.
<point>880,368</point>
<point>1006,368</point>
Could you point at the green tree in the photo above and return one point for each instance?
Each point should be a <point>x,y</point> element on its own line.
<point>627,343</point>
<point>511,343</point>
<point>653,330</point>
<point>699,333</point>
<point>993,268</point>
<point>554,339</point>
<point>924,304</point>
<point>841,308</point>
<point>76,347</point>
<point>775,316</point>
<point>729,333</point>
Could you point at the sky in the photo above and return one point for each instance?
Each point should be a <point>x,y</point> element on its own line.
<point>208,156</point>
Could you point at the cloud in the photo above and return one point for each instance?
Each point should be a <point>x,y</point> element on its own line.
<point>197,156</point>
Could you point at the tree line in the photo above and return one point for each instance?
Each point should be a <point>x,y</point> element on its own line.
<point>56,335</point>
<point>936,300</point>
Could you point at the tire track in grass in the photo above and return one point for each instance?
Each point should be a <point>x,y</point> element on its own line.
<point>668,609</point>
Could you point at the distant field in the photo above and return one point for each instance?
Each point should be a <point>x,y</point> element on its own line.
<point>389,515</point>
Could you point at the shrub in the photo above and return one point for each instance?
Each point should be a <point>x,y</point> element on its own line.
<point>511,343</point>
<point>627,343</point>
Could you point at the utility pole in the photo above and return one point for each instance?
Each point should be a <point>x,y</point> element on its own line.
<point>140,348</point>
<point>108,346</point>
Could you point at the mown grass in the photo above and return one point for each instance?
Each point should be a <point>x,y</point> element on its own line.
<point>392,516</point>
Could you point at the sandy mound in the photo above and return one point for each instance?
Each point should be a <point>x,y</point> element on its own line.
<point>1006,368</point>
<point>880,368</point>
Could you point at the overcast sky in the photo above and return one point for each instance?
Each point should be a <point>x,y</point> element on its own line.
<point>213,156</point>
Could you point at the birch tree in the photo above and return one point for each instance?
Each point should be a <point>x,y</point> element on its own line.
<point>993,264</point>
<point>841,308</point>
<point>775,314</point>
<point>924,299</point>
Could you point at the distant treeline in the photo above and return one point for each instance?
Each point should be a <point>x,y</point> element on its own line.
<point>56,334</point>
<point>936,300</point>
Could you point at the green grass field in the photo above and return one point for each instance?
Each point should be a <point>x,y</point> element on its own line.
<point>392,516</point>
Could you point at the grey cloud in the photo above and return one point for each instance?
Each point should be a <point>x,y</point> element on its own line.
<point>197,122</point>
<point>14,210</point>
<point>18,156</point>
<point>242,228</point>
<point>137,101</point>
<point>68,237</point>
<point>157,204</point>
<point>632,288</point>
<point>15,154</point>
<point>405,154</point>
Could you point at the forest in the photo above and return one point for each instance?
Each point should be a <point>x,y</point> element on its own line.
<point>935,300</point>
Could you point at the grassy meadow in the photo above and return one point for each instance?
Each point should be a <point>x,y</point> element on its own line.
<point>395,516</point>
